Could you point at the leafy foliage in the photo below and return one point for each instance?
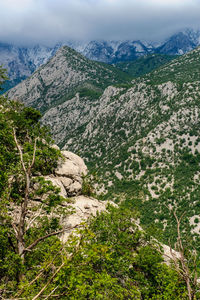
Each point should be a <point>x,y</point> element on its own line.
<point>20,130</point>
<point>111,259</point>
<point>144,65</point>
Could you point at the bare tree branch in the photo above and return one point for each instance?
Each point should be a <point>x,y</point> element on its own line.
<point>181,263</point>
<point>49,281</point>
<point>47,297</point>
<point>34,218</point>
<point>14,228</point>
<point>20,228</point>
<point>34,152</point>
<point>43,238</point>
<point>30,247</point>
<point>40,274</point>
<point>20,151</point>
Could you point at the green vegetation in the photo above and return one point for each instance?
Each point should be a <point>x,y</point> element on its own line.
<point>180,70</point>
<point>145,146</point>
<point>89,93</point>
<point>110,258</point>
<point>97,77</point>
<point>3,77</point>
<point>144,65</point>
<point>24,159</point>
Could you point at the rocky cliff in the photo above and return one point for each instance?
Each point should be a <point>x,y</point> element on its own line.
<point>68,178</point>
<point>141,138</point>
<point>65,74</point>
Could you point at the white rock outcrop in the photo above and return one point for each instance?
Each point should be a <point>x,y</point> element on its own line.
<point>84,208</point>
<point>69,178</point>
<point>75,209</point>
<point>69,174</point>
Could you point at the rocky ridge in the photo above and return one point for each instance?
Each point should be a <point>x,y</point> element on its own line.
<point>21,62</point>
<point>67,72</point>
<point>68,178</point>
<point>141,139</point>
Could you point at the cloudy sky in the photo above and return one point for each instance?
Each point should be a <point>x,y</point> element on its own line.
<point>49,21</point>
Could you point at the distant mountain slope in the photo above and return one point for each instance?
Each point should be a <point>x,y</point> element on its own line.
<point>143,142</point>
<point>184,69</point>
<point>67,73</point>
<point>180,43</point>
<point>145,64</point>
<point>21,62</point>
<point>141,138</point>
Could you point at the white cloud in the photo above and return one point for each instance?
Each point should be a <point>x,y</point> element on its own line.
<point>49,21</point>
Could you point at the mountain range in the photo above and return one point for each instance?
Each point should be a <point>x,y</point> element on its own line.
<point>63,76</point>
<point>21,62</point>
<point>140,137</point>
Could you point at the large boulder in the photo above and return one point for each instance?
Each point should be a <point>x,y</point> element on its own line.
<point>75,208</point>
<point>73,166</point>
<point>69,178</point>
<point>69,174</point>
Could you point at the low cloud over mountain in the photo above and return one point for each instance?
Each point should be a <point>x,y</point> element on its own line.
<point>47,21</point>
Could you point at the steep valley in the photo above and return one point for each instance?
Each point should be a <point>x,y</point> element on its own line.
<point>140,138</point>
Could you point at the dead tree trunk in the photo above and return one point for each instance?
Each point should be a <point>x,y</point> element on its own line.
<point>20,228</point>
<point>182,264</point>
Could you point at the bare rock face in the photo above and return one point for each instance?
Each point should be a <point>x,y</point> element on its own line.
<point>169,254</point>
<point>57,183</point>
<point>69,174</point>
<point>75,208</point>
<point>84,208</point>
<point>69,178</point>
<point>73,166</point>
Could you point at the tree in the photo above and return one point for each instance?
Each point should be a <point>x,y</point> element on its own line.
<point>186,262</point>
<point>26,198</point>
<point>24,224</point>
<point>3,76</point>
<point>109,259</point>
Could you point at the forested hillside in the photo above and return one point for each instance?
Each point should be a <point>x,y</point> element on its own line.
<point>110,257</point>
<point>145,64</point>
<point>139,138</point>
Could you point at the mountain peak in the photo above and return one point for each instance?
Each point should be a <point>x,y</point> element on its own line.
<point>65,73</point>
<point>21,62</point>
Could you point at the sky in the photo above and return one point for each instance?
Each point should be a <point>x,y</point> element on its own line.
<point>29,22</point>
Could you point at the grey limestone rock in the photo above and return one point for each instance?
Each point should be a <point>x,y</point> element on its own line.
<point>68,175</point>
